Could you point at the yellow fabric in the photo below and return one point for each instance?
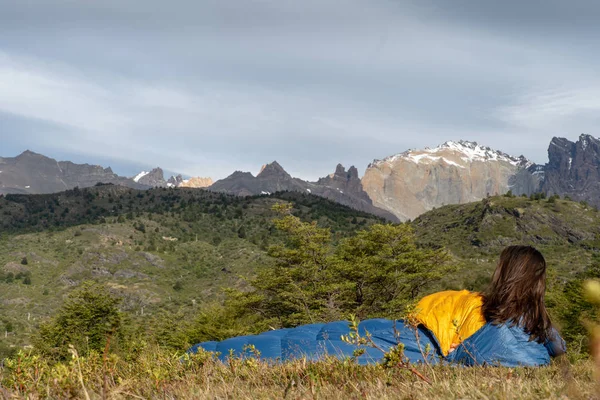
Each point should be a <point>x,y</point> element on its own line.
<point>452,316</point>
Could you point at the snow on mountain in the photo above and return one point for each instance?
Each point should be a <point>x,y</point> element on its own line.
<point>458,154</point>
<point>415,181</point>
<point>140,176</point>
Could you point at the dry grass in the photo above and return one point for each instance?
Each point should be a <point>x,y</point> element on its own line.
<point>154,374</point>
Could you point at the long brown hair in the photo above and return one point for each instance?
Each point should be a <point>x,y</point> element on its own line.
<point>516,293</point>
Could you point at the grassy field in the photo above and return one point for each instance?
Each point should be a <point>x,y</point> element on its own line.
<point>167,256</point>
<point>156,374</point>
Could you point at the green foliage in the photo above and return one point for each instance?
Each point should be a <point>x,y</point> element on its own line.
<point>385,270</point>
<point>552,199</point>
<point>87,320</point>
<point>178,286</point>
<point>375,273</point>
<point>575,311</point>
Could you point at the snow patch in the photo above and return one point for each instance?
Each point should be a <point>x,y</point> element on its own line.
<point>308,190</point>
<point>140,176</point>
<point>570,162</point>
<point>468,152</point>
<point>263,192</point>
<point>418,158</point>
<point>27,187</point>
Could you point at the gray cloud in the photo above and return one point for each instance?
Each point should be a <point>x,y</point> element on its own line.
<point>208,87</point>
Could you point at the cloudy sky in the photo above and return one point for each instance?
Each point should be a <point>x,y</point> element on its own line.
<point>206,87</point>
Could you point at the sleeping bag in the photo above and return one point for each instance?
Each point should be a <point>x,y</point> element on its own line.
<point>443,319</point>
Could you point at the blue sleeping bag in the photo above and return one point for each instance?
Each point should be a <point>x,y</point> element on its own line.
<point>499,345</point>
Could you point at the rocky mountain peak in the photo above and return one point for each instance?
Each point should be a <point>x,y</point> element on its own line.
<point>273,170</point>
<point>30,155</point>
<point>353,173</point>
<point>588,141</point>
<point>340,170</point>
<point>574,168</point>
<point>155,177</point>
<point>34,173</point>
<point>175,181</point>
<point>241,174</point>
<point>342,175</point>
<point>196,182</point>
<point>410,183</point>
<point>460,154</point>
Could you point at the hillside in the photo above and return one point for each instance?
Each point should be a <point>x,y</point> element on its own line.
<point>157,249</point>
<point>567,233</point>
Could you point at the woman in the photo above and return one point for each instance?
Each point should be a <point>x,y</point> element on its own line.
<point>508,325</point>
<point>513,304</point>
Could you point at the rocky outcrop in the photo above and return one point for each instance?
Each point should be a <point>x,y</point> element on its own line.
<point>154,178</point>
<point>196,182</point>
<point>346,188</point>
<point>272,178</point>
<point>175,181</point>
<point>32,173</point>
<point>573,169</point>
<point>413,182</point>
<point>341,186</point>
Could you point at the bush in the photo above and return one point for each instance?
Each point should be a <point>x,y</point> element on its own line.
<point>87,319</point>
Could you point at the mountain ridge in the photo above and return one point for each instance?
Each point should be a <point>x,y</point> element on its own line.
<point>398,187</point>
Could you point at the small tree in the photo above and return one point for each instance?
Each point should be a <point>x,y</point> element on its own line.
<point>87,319</point>
<point>241,232</point>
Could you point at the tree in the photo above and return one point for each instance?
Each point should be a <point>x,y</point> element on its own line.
<point>385,270</point>
<point>87,319</point>
<point>298,288</point>
<point>375,273</point>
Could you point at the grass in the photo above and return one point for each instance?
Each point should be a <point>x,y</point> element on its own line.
<point>157,374</point>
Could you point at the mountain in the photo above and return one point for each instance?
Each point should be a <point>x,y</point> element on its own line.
<point>34,173</point>
<point>573,169</point>
<point>398,188</point>
<point>341,186</point>
<point>154,178</point>
<point>413,182</point>
<point>196,182</point>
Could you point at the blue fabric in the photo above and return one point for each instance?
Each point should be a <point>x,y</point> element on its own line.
<point>500,345</point>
